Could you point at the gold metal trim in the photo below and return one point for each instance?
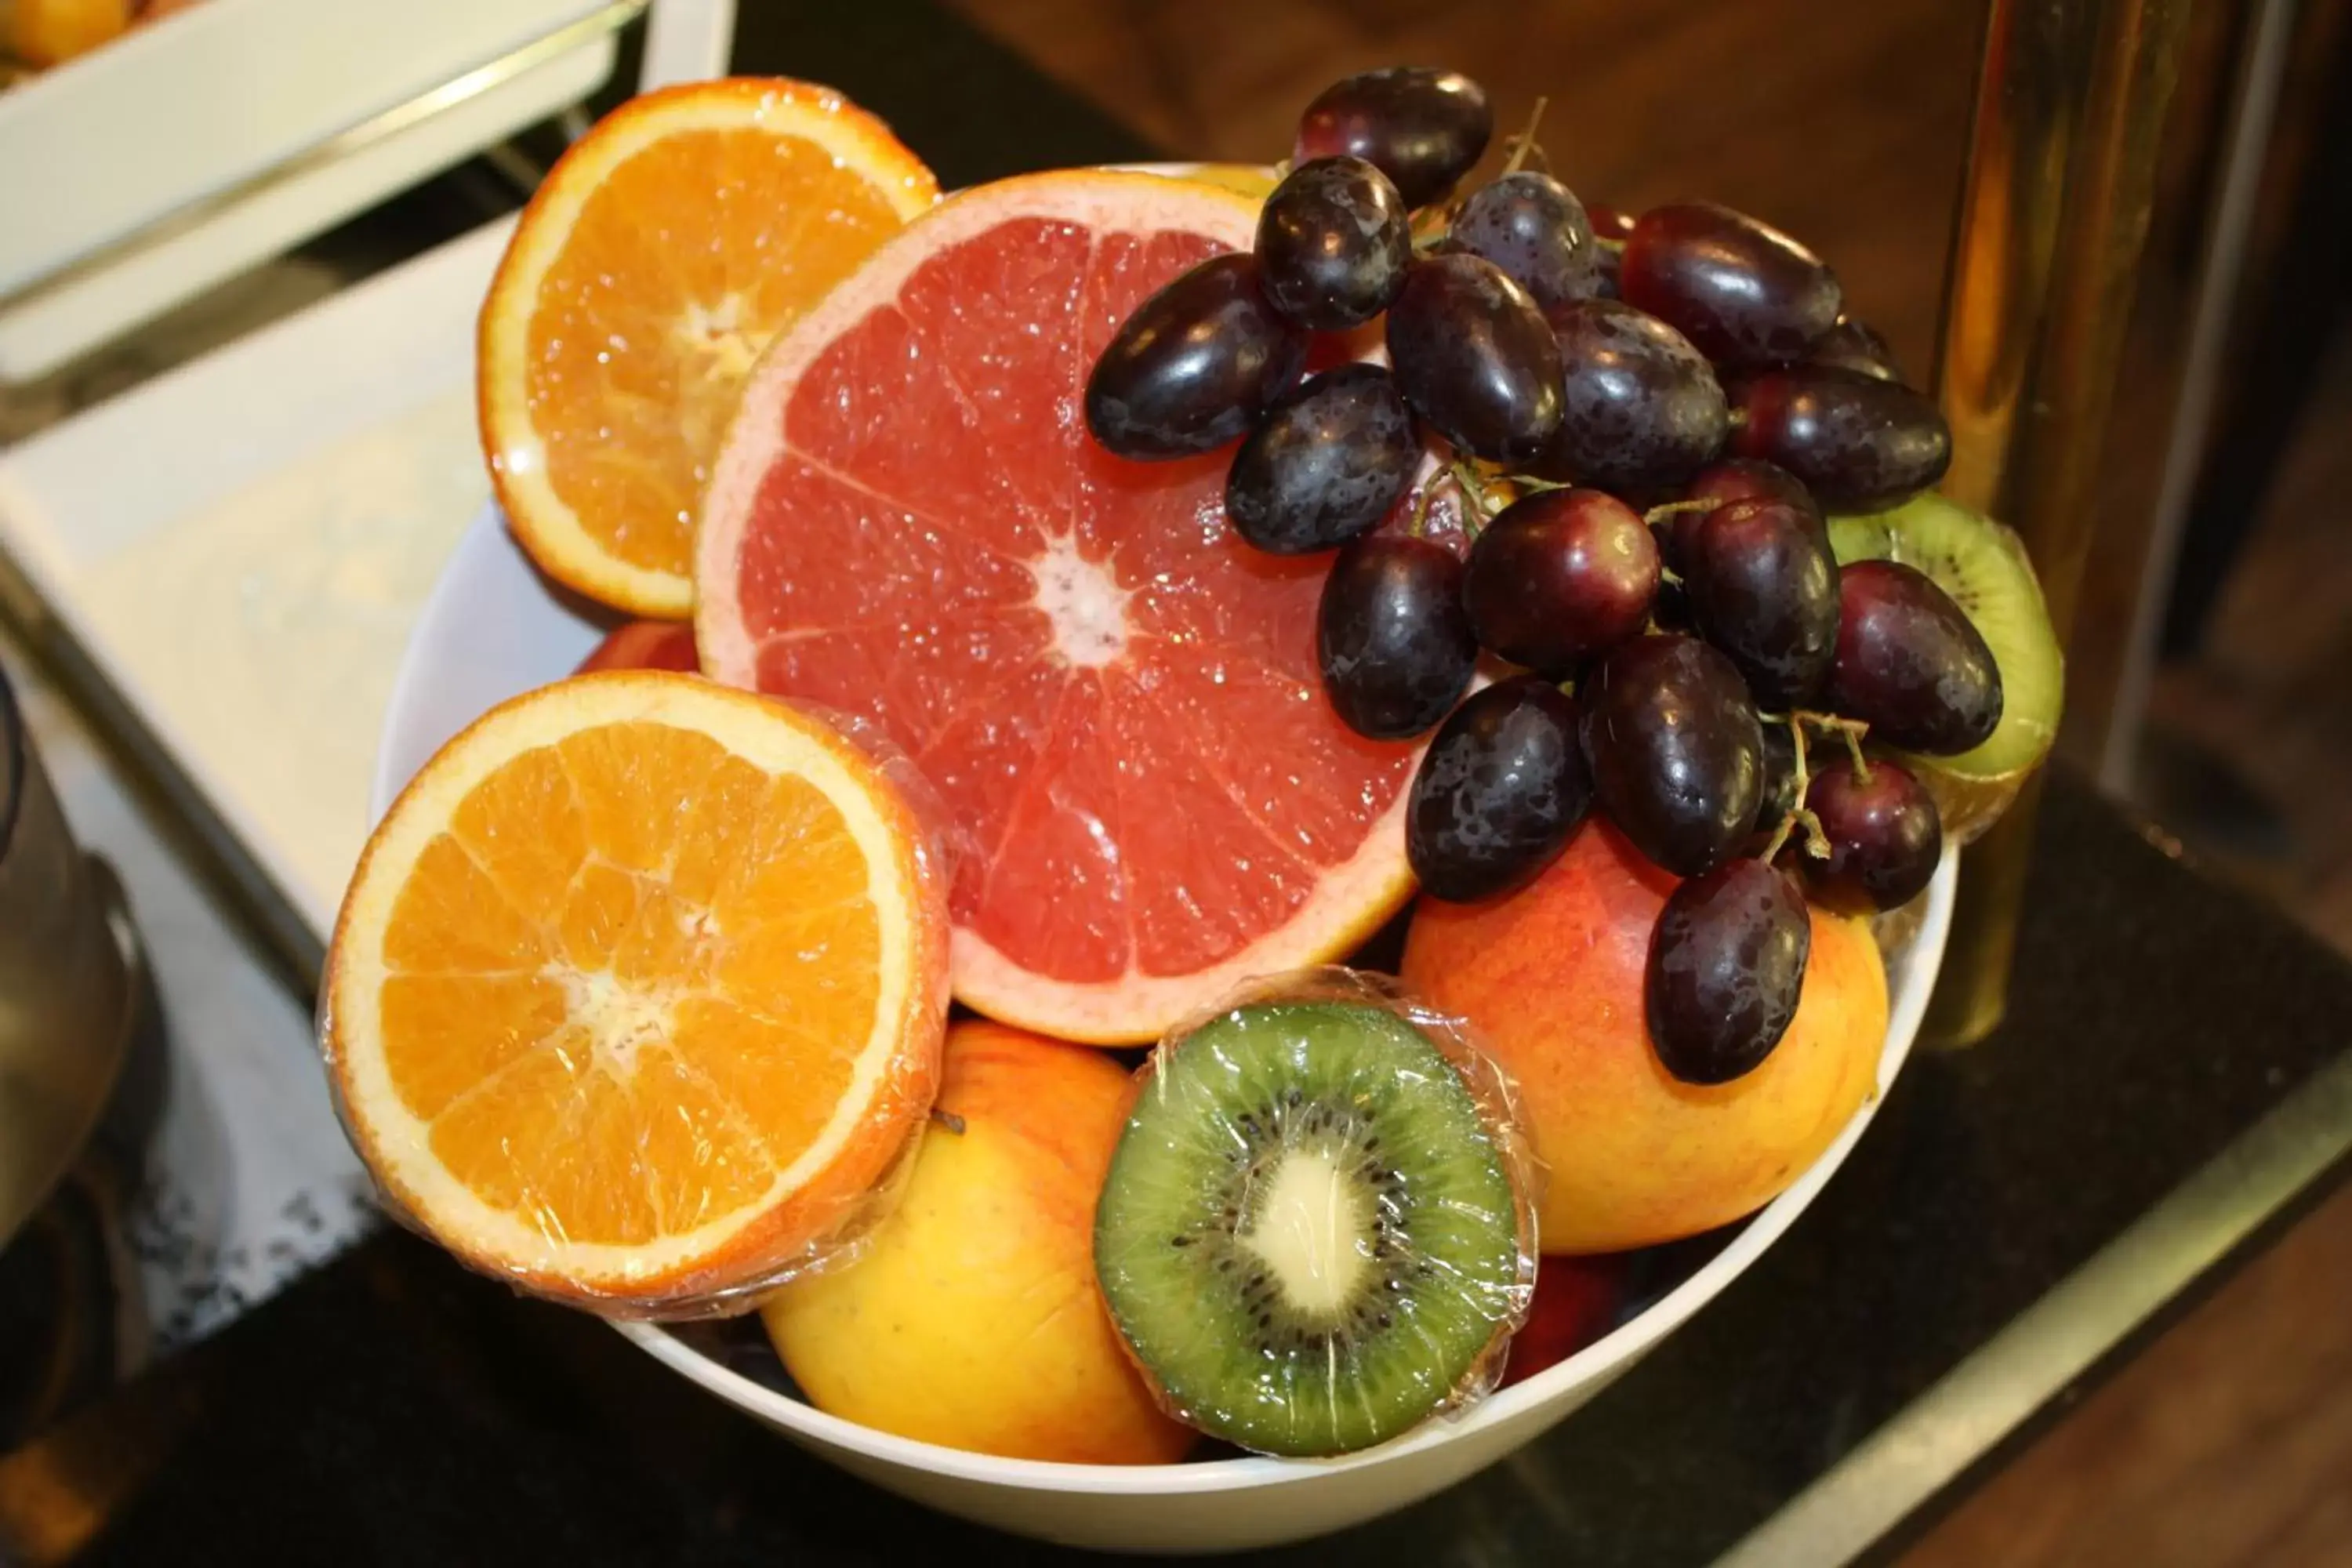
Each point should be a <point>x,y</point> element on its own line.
<point>2071,107</point>
<point>367,133</point>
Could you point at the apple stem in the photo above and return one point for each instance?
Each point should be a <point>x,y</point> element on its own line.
<point>948,1120</point>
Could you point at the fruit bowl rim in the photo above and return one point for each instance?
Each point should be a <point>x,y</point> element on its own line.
<point>1912,972</point>
<point>1919,961</point>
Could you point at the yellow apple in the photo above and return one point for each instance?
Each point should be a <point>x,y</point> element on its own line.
<point>971,1317</point>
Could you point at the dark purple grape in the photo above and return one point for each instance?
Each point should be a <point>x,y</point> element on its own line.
<point>1611,230</point>
<point>1531,226</point>
<point>1326,464</point>
<point>1420,126</point>
<point>1676,750</point>
<point>1394,644</point>
<point>1910,664</point>
<point>1333,242</point>
<point>1853,345</point>
<point>1779,797</point>
<point>1559,576</point>
<point>1641,411</point>
<point>1609,224</point>
<point>1727,968</point>
<point>1473,358</point>
<point>1746,479</point>
<point>1763,587</point>
<point>1194,367</point>
<point>1885,833</point>
<point>1498,792</point>
<point>1858,444</point>
<point>1724,481</point>
<point>1742,292</point>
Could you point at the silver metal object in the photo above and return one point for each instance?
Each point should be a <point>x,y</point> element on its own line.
<point>68,995</point>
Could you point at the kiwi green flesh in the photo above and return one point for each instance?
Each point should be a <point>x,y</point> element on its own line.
<point>1308,1236</point>
<point>1983,566</point>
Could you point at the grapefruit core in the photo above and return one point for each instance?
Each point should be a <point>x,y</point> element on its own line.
<point>1117,698</point>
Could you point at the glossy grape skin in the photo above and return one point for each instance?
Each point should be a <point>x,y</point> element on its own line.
<point>1333,242</point>
<point>1763,587</point>
<point>1611,230</point>
<point>1745,294</point>
<point>1857,443</point>
<point>1854,345</point>
<point>1324,465</point>
<point>1608,223</point>
<point>1676,750</point>
<point>1885,833</point>
<point>1422,127</point>
<point>1194,367</point>
<point>1559,576</point>
<point>1499,791</point>
<point>1473,357</point>
<point>1909,662</point>
<point>1394,642</point>
<point>1641,411</point>
<point>1725,970</point>
<point>1726,481</point>
<point>1534,228</point>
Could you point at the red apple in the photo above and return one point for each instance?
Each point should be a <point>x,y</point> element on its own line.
<point>644,645</point>
<point>1575,1302</point>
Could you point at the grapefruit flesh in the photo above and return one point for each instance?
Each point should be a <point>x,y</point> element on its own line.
<point>1117,700</point>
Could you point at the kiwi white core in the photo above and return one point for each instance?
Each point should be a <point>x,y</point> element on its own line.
<point>1082,602</point>
<point>1308,1227</point>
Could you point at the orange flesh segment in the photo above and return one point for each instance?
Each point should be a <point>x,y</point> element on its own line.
<point>670,946</point>
<point>1173,792</point>
<point>688,258</point>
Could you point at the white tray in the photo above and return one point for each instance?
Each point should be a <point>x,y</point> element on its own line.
<point>142,171</point>
<point>241,546</point>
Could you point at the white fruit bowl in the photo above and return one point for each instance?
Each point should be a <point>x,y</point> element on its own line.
<point>494,628</point>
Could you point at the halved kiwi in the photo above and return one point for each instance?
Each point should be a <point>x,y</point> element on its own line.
<point>1983,566</point>
<point>1309,1236</point>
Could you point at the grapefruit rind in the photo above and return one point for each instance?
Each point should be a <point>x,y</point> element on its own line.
<point>1352,898</point>
<point>515,452</point>
<point>817,1195</point>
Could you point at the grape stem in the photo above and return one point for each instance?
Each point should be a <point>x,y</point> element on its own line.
<point>1524,141</point>
<point>1666,509</point>
<point>1849,730</point>
<point>1475,492</point>
<point>1817,839</point>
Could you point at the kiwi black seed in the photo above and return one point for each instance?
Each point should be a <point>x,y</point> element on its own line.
<point>1310,1236</point>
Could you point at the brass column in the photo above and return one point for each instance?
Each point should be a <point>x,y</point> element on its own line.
<point>2070,111</point>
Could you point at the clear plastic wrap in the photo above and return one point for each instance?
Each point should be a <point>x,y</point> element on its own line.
<point>687,1233</point>
<point>1319,1228</point>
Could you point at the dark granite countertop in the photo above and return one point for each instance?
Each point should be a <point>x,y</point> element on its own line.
<point>2172,1083</point>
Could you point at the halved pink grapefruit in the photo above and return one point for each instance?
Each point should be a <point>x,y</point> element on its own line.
<point>1117,698</point>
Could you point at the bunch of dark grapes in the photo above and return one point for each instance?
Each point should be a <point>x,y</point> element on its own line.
<point>1644,418</point>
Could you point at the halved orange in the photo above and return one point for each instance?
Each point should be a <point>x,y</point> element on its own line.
<point>639,989</point>
<point>659,257</point>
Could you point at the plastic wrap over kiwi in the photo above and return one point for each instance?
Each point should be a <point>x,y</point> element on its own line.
<point>1318,1231</point>
<point>522,1237</point>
